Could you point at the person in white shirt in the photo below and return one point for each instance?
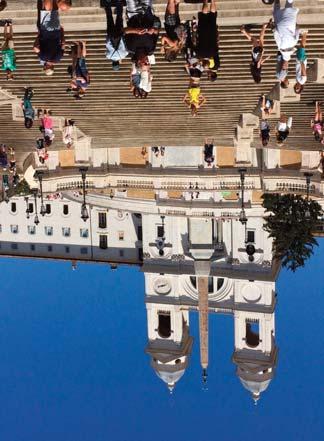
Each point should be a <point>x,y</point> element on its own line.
<point>283,128</point>
<point>286,33</point>
<point>301,65</point>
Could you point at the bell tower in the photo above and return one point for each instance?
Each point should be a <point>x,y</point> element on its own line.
<point>169,342</point>
<point>255,353</point>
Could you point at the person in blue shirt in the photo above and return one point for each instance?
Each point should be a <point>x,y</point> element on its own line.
<point>116,48</point>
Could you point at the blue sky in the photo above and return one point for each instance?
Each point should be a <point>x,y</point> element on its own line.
<point>73,366</point>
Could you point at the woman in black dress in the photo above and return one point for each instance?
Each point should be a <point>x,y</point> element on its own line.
<point>207,44</point>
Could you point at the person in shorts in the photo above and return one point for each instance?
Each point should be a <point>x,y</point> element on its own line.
<point>207,36</point>
<point>173,42</point>
<point>49,43</point>
<point>257,52</point>
<point>8,51</point>
<point>301,65</point>
<point>79,70</point>
<point>143,27</point>
<point>194,69</point>
<point>317,123</point>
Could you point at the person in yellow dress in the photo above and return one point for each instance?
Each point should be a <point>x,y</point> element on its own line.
<point>194,99</point>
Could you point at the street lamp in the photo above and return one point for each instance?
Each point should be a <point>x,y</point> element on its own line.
<point>84,210</point>
<point>160,241</point>
<point>27,207</point>
<point>39,175</point>
<point>35,194</point>
<point>308,180</point>
<point>242,218</point>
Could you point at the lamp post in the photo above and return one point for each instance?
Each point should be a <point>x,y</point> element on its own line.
<point>242,218</point>
<point>35,194</point>
<point>39,175</point>
<point>160,241</point>
<point>27,207</point>
<point>84,210</point>
<point>308,181</point>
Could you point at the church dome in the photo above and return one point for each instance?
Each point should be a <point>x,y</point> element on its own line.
<point>255,387</point>
<point>170,373</point>
<point>170,378</point>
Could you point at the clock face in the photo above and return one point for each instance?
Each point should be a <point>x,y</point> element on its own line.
<point>162,286</point>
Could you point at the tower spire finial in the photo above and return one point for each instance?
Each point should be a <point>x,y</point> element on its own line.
<point>203,324</point>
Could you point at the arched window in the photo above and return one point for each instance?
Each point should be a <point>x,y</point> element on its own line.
<point>164,329</point>
<point>252,336</point>
<point>193,280</point>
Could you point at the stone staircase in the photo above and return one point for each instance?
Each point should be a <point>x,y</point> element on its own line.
<point>87,14</point>
<point>112,117</point>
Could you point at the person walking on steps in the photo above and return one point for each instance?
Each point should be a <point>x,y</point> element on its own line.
<point>282,71</point>
<point>264,132</point>
<point>301,65</point>
<point>8,51</point>
<point>142,30</point>
<point>286,33</point>
<point>283,128</point>
<point>257,52</point>
<point>29,112</point>
<point>209,152</point>
<point>317,123</point>
<point>79,70</point>
<point>173,42</point>
<point>49,44</point>
<point>194,99</point>
<point>207,36</point>
<point>115,44</point>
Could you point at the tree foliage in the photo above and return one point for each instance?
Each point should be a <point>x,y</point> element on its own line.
<point>291,221</point>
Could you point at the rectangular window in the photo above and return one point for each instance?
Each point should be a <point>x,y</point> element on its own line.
<point>66,231</point>
<point>48,231</point>
<point>160,231</point>
<point>31,208</point>
<point>102,220</point>
<point>32,247</point>
<point>67,250</point>
<point>31,229</point>
<point>14,229</point>
<point>120,235</point>
<point>50,248</point>
<point>121,253</point>
<point>84,232</point>
<point>65,209</point>
<point>14,246</point>
<point>48,208</point>
<point>103,241</point>
<point>84,250</point>
<point>250,236</point>
<point>13,207</point>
